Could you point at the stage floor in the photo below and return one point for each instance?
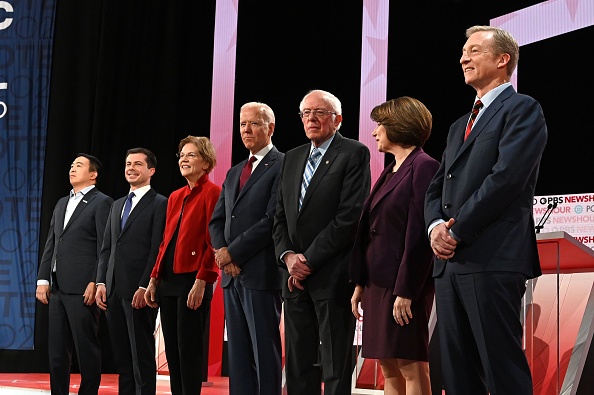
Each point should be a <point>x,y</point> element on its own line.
<point>38,383</point>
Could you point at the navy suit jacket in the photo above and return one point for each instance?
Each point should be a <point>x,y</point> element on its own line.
<point>130,253</point>
<point>324,229</point>
<point>75,249</point>
<point>487,183</point>
<point>391,248</point>
<point>242,221</point>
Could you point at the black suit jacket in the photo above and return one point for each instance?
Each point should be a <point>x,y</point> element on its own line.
<point>242,221</point>
<point>324,229</point>
<point>129,254</point>
<point>75,249</point>
<point>486,184</point>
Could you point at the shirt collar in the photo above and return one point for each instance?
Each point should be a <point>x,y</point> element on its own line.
<point>490,96</point>
<point>82,192</point>
<point>324,146</point>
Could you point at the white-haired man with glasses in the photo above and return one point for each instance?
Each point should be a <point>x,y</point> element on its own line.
<point>322,189</point>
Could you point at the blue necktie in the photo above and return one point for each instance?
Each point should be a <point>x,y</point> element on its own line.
<point>127,209</point>
<point>310,168</point>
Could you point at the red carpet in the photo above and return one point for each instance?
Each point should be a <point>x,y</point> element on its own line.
<point>11,383</point>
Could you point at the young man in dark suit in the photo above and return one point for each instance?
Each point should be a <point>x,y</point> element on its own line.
<point>66,278</point>
<point>478,212</point>
<point>130,245</point>
<point>322,189</point>
<point>241,233</point>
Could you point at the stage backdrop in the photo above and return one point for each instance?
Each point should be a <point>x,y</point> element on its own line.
<point>574,214</point>
<point>26,33</point>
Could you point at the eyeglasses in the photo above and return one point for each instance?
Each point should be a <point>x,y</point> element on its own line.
<point>318,113</point>
<point>189,155</point>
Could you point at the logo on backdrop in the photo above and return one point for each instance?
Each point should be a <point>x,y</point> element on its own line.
<point>574,215</point>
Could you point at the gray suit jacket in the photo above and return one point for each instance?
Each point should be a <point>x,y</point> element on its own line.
<point>242,222</point>
<point>75,249</point>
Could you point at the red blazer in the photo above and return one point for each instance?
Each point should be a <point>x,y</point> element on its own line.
<point>193,251</point>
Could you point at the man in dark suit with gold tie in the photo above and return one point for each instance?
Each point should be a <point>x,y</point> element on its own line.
<point>66,278</point>
<point>322,189</point>
<point>130,245</point>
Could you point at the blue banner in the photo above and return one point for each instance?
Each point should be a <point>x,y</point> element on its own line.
<point>26,37</point>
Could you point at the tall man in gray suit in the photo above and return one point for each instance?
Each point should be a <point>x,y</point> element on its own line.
<point>130,245</point>
<point>241,233</point>
<point>322,189</point>
<point>66,278</point>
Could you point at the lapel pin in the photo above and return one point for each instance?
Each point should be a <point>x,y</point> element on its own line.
<point>84,201</point>
<point>327,161</point>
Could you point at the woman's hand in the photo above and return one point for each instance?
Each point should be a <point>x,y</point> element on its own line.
<point>355,300</point>
<point>196,294</point>
<point>402,311</point>
<point>150,296</point>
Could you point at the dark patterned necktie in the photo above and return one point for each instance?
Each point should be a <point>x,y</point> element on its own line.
<point>246,171</point>
<point>475,110</point>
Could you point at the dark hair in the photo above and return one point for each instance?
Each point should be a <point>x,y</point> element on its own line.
<point>151,159</point>
<point>94,163</point>
<point>407,121</point>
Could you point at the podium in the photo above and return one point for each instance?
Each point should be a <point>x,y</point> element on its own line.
<point>558,315</point>
<point>558,318</point>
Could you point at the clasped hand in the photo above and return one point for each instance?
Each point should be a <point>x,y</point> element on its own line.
<point>442,243</point>
<point>298,270</point>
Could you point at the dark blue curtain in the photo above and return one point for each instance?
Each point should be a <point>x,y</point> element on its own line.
<point>26,37</point>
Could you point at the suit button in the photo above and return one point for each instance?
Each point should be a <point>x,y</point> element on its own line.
<point>373,231</point>
<point>449,176</point>
<point>233,217</point>
<point>60,239</point>
<point>447,205</point>
<point>193,252</point>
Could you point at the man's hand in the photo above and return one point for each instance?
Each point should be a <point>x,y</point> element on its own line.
<point>150,296</point>
<point>101,297</point>
<point>138,301</point>
<point>293,282</point>
<point>296,263</point>
<point>222,257</point>
<point>442,243</point>
<point>89,295</point>
<point>232,270</point>
<point>42,293</point>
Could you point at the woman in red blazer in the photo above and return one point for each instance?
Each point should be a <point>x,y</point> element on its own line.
<point>392,260</point>
<point>185,270</point>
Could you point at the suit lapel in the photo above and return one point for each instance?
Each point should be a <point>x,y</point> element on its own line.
<point>481,123</point>
<point>267,162</point>
<point>146,199</point>
<point>84,201</point>
<point>116,216</point>
<point>325,163</point>
<point>400,174</point>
